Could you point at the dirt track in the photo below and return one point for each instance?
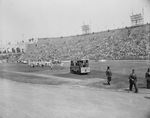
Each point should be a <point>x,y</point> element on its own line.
<point>22,100</point>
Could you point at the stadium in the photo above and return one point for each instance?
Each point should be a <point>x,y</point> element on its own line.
<point>30,87</point>
<point>101,56</point>
<point>122,49</point>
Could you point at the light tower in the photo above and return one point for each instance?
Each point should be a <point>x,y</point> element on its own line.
<point>137,19</point>
<point>85,29</point>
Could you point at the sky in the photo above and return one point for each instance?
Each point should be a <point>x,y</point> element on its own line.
<point>25,19</point>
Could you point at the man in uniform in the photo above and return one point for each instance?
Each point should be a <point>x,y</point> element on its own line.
<point>132,81</point>
<point>147,77</point>
<point>109,75</point>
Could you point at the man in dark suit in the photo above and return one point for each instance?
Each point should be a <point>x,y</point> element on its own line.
<point>109,75</point>
<point>133,81</point>
<point>147,77</point>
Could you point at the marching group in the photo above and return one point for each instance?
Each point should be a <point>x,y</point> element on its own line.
<point>50,64</point>
<point>132,79</point>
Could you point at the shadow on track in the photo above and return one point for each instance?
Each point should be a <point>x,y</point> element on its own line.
<point>93,74</point>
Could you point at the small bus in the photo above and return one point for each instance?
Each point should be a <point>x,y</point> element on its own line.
<point>80,66</point>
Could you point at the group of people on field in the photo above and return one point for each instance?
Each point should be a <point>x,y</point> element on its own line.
<point>50,64</point>
<point>132,79</point>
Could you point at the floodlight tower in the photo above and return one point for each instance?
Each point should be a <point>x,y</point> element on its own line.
<point>137,19</point>
<point>85,29</point>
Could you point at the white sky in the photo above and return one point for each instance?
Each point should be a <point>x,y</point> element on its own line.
<point>24,19</point>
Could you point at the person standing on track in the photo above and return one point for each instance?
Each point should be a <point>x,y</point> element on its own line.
<point>147,77</point>
<point>133,81</point>
<point>109,75</point>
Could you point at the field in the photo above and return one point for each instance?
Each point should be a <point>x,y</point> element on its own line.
<point>27,92</point>
<point>96,79</point>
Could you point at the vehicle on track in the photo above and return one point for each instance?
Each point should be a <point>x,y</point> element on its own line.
<point>80,66</point>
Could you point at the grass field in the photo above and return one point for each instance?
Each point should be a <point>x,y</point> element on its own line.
<point>97,78</point>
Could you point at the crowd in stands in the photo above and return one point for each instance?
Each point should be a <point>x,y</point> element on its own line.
<point>125,43</point>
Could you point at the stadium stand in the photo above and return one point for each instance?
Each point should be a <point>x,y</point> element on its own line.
<point>124,43</point>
